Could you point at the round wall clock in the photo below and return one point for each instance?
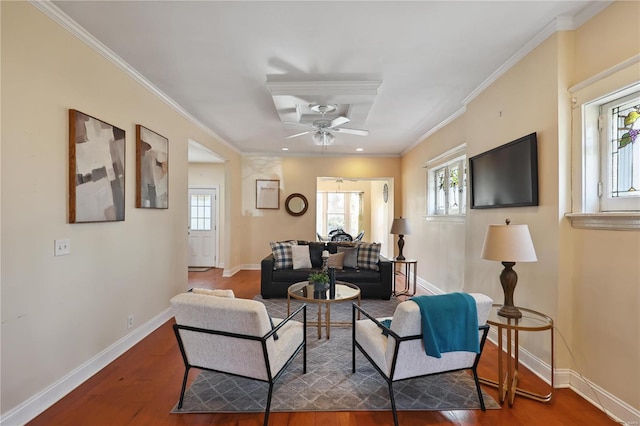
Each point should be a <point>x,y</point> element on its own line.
<point>385,192</point>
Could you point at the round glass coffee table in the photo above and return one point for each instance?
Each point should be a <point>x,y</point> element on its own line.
<point>304,291</point>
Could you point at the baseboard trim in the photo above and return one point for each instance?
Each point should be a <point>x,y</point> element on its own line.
<point>615,408</point>
<point>44,399</point>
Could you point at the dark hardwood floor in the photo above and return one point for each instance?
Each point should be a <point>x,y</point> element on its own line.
<point>143,385</point>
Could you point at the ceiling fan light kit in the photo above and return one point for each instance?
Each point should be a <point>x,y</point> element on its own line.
<point>322,128</point>
<point>323,138</point>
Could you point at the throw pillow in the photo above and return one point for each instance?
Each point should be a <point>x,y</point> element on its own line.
<point>350,256</point>
<point>213,292</point>
<point>301,257</point>
<point>282,254</point>
<point>368,256</point>
<point>336,261</point>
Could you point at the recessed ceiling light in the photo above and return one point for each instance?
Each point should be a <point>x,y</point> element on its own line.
<point>285,149</point>
<point>359,149</point>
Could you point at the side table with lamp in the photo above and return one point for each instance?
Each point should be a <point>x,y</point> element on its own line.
<point>400,227</point>
<point>510,244</point>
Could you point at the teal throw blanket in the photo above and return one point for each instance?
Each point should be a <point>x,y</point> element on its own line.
<point>449,323</point>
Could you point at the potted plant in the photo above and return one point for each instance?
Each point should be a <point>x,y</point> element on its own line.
<point>319,280</point>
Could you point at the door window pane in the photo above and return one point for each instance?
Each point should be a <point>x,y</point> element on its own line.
<point>200,219</point>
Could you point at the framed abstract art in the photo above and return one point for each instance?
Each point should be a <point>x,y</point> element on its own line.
<point>152,169</point>
<point>96,170</point>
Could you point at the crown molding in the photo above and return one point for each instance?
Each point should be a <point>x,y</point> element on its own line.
<point>437,127</point>
<point>52,11</point>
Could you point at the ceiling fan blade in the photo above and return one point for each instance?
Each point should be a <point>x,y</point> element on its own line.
<point>338,121</point>
<point>358,132</point>
<point>293,123</point>
<point>299,134</point>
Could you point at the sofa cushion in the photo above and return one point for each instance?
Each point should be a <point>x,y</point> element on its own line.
<point>292,275</point>
<point>282,254</point>
<point>315,253</point>
<point>350,256</point>
<point>300,254</point>
<point>368,255</point>
<point>356,276</point>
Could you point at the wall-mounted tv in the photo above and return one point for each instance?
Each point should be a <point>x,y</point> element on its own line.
<point>506,176</point>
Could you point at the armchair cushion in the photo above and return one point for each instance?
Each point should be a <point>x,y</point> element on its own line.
<point>213,292</point>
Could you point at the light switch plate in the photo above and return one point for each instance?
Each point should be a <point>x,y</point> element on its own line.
<point>62,247</point>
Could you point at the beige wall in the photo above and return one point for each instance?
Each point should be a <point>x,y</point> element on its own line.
<point>606,266</point>
<point>298,175</point>
<point>60,312</point>
<point>587,280</point>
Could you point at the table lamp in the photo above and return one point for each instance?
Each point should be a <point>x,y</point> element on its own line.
<point>400,227</point>
<point>508,244</point>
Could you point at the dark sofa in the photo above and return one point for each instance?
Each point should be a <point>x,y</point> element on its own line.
<point>373,284</point>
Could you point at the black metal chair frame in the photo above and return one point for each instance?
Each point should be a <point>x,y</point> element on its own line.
<point>398,340</point>
<point>341,236</point>
<point>271,379</point>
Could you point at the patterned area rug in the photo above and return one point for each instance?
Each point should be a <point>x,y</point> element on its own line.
<point>329,384</point>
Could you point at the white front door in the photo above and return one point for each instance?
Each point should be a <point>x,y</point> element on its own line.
<point>202,226</point>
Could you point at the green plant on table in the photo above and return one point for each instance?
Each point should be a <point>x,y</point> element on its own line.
<point>319,277</point>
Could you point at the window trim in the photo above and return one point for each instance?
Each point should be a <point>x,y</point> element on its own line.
<point>608,85</point>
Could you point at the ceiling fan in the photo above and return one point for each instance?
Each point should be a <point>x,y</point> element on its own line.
<point>323,128</point>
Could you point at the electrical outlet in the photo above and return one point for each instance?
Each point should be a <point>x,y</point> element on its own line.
<point>130,321</point>
<point>62,247</point>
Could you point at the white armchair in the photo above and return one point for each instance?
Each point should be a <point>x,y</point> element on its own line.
<point>398,353</point>
<point>236,336</point>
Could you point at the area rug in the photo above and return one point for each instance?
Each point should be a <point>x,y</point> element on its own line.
<point>198,268</point>
<point>329,384</point>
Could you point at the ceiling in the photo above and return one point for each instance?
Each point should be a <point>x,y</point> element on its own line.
<point>241,69</point>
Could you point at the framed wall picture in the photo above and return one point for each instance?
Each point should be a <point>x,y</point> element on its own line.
<point>152,169</point>
<point>267,194</point>
<point>96,170</point>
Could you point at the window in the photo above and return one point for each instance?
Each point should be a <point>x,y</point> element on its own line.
<point>200,212</point>
<point>447,184</point>
<point>605,151</point>
<point>339,210</point>
<point>619,129</point>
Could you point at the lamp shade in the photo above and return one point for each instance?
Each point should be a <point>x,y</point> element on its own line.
<point>508,243</point>
<point>400,227</point>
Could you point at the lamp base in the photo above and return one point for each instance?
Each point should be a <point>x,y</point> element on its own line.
<point>508,280</point>
<point>509,312</point>
<point>400,247</point>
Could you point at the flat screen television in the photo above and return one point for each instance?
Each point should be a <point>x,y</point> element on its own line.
<point>506,176</point>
